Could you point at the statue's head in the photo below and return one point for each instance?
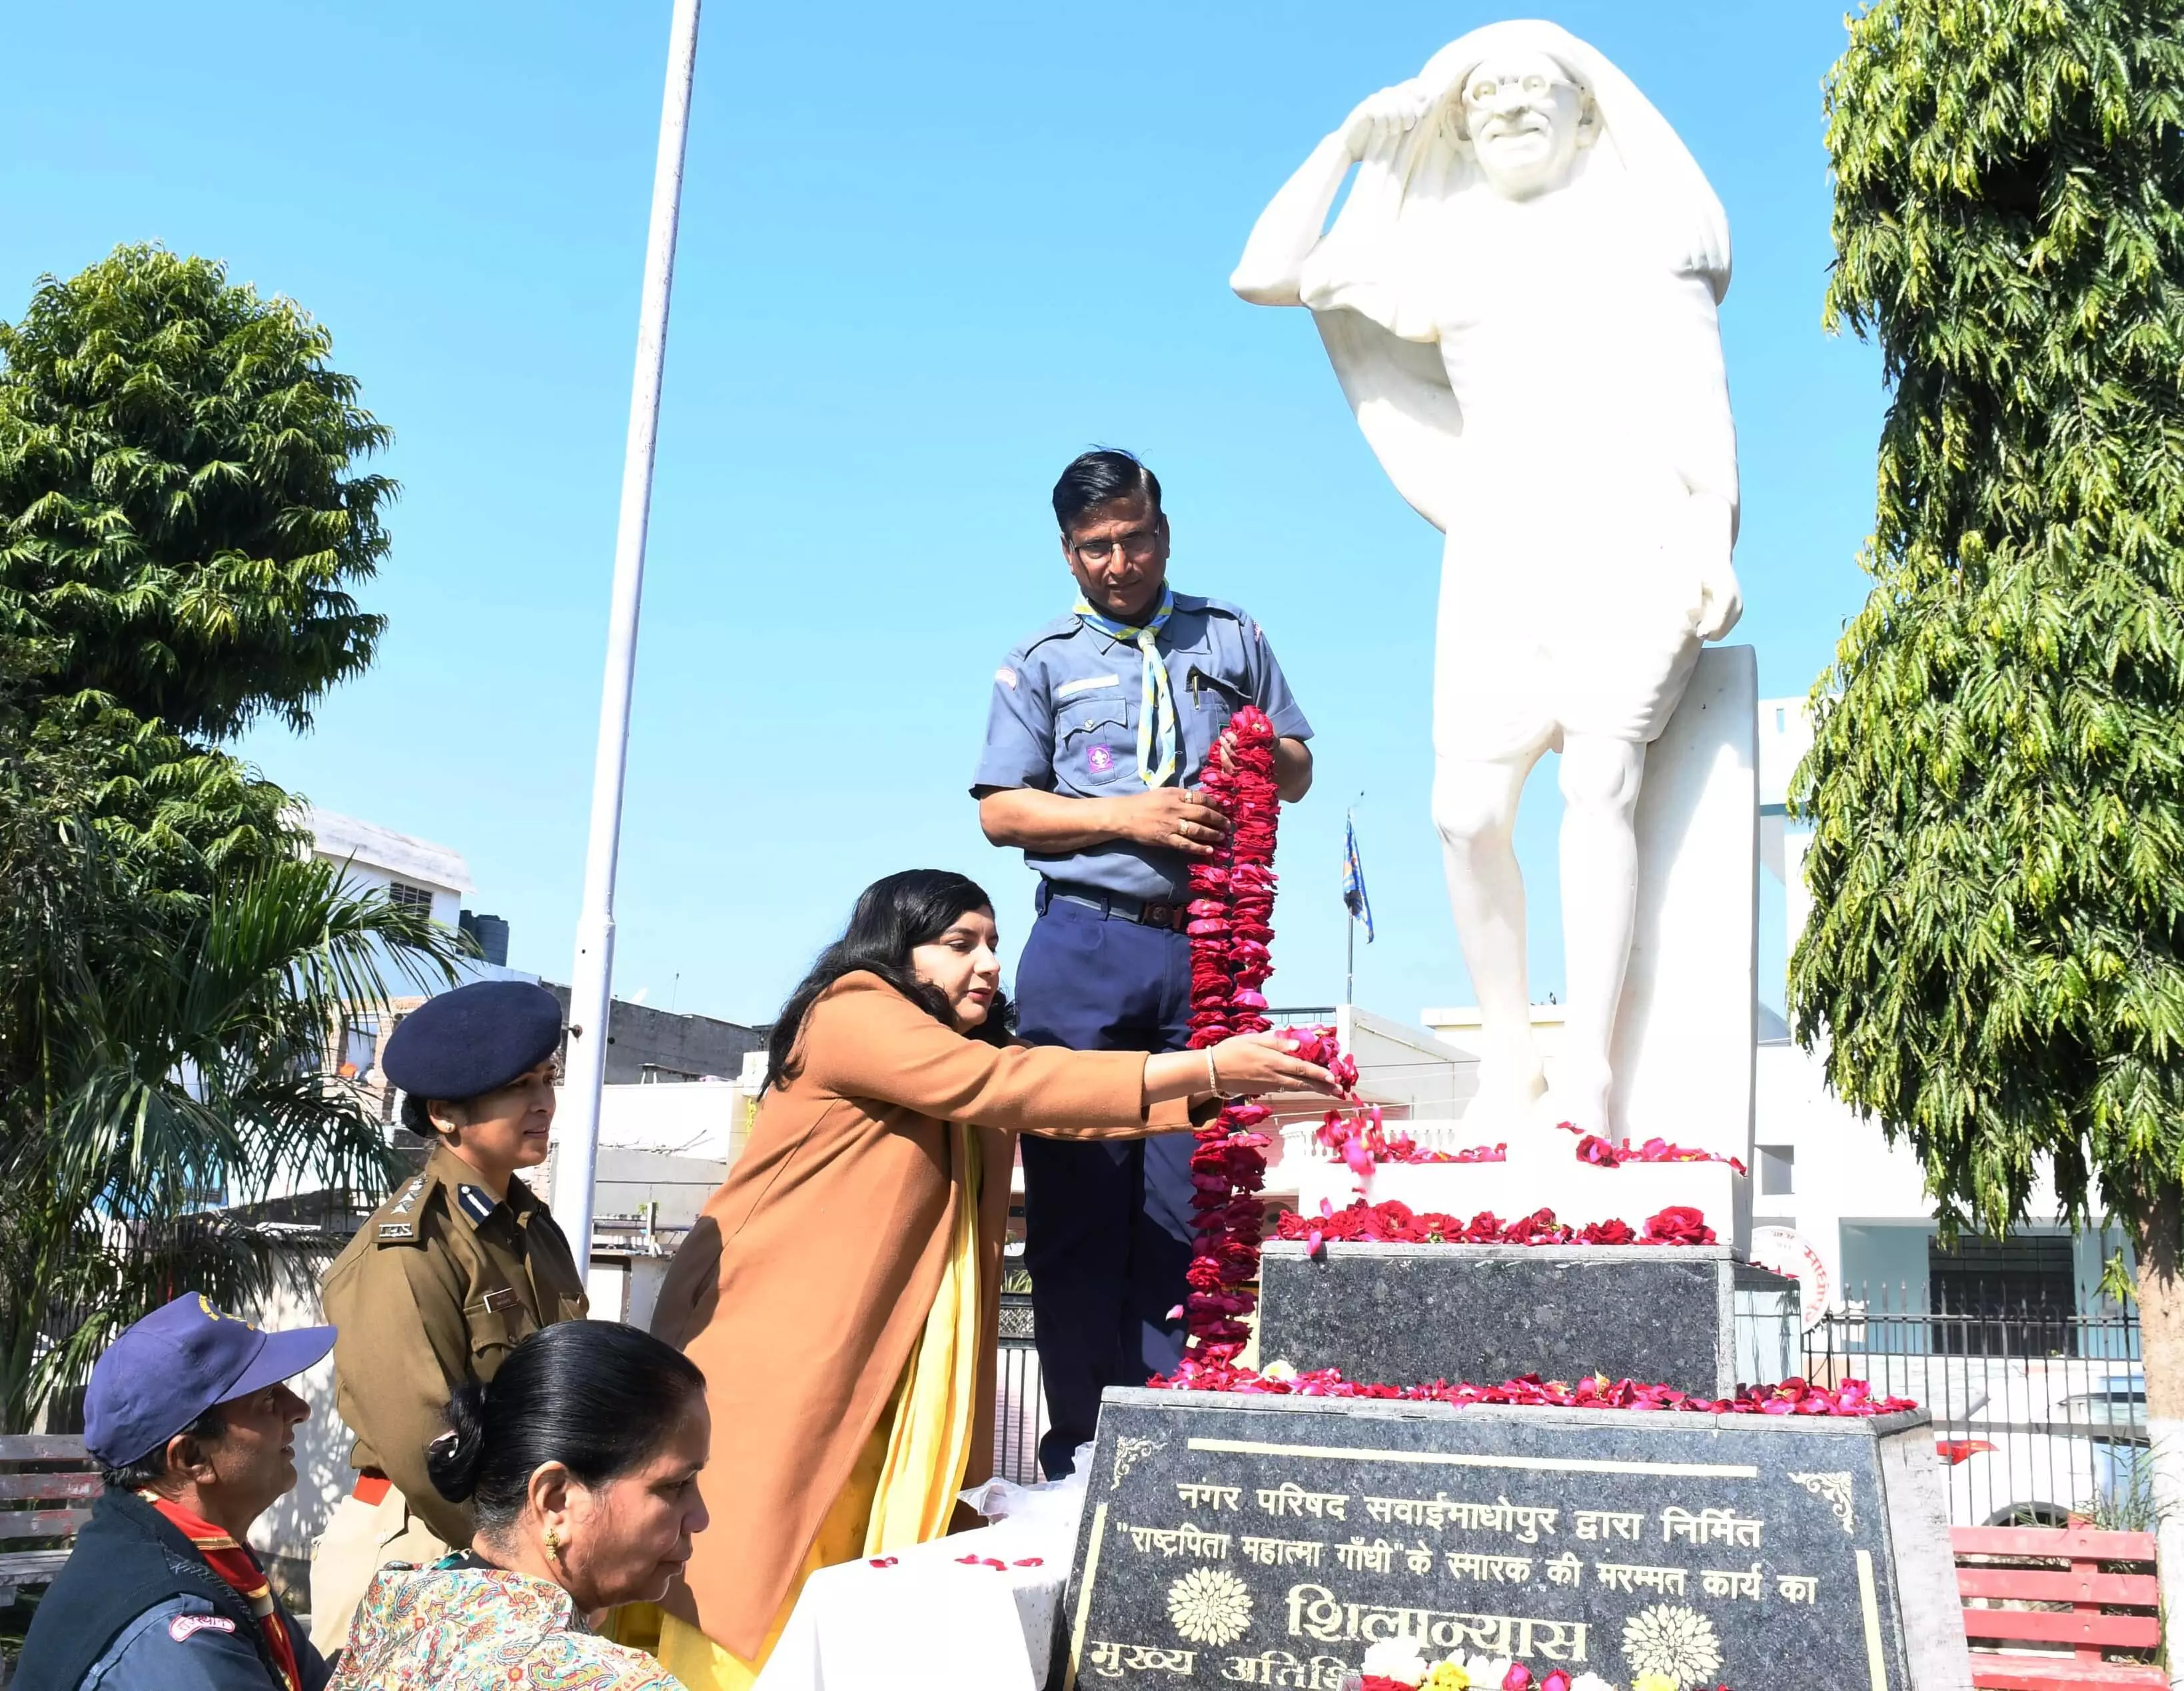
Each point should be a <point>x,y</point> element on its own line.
<point>1511,111</point>
<point>1527,119</point>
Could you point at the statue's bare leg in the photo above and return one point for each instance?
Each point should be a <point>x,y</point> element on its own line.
<point>1474,805</point>
<point>1599,782</point>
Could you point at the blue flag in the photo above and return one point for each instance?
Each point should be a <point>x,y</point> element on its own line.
<point>1353,880</point>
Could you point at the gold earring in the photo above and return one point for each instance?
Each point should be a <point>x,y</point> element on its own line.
<point>553,1543</point>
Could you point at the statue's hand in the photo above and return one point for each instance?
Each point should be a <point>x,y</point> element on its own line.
<point>1721,600</point>
<point>1384,119</point>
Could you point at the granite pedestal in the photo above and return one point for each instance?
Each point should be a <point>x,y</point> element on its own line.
<point>1689,1316</point>
<point>1233,1541</point>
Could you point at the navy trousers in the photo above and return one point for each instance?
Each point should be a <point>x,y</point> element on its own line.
<point>1108,1224</point>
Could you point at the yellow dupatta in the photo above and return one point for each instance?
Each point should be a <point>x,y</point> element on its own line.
<point>903,1489</point>
<point>929,1442</point>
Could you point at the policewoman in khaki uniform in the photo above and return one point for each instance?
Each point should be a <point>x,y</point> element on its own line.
<point>449,1273</point>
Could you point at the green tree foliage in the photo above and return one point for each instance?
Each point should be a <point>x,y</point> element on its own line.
<point>154,1064</point>
<point>180,518</point>
<point>1996,785</point>
<point>1997,782</point>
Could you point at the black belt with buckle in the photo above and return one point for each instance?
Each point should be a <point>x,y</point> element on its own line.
<point>1120,905</point>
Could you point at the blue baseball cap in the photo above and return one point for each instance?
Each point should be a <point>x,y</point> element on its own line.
<point>175,1363</point>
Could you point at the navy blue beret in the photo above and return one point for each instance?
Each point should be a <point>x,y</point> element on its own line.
<point>472,1039</point>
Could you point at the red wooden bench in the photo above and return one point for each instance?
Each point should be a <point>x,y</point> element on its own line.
<point>47,1485</point>
<point>2019,1565</point>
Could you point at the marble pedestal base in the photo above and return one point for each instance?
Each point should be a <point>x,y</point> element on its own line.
<point>1691,1316</point>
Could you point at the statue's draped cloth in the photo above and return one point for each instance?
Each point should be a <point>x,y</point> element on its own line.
<point>1569,348</point>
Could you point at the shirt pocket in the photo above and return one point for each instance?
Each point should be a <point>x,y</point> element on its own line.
<point>1095,744</point>
<point>498,1321</point>
<point>1207,702</point>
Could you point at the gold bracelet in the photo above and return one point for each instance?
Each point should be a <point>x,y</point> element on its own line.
<point>1212,1075</point>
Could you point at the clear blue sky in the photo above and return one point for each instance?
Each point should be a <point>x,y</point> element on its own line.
<point>928,253</point>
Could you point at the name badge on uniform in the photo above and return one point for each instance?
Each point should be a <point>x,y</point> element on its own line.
<point>504,1298</point>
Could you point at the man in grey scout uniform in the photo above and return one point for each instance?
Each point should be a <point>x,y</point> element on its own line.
<point>1100,726</point>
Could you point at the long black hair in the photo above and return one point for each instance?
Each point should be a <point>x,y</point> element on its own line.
<point>597,1397</point>
<point>895,916</point>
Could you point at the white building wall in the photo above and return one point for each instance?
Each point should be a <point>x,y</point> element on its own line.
<point>376,857</point>
<point>323,1476</point>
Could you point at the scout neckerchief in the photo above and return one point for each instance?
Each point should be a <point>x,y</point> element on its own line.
<point>1154,700</point>
<point>240,1569</point>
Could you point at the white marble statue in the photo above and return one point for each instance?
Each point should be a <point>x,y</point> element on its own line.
<point>1520,297</point>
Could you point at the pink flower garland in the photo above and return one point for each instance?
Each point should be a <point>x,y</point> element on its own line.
<point>1793,1397</point>
<point>1231,926</point>
<point>1395,1223</point>
<point>1603,1154</point>
<point>1361,1140</point>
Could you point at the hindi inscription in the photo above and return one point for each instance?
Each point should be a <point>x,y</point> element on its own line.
<point>1621,1543</point>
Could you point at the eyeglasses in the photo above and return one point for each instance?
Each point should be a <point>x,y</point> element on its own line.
<point>1531,83</point>
<point>1139,545</point>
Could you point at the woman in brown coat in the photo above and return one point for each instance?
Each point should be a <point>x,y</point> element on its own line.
<point>842,1290</point>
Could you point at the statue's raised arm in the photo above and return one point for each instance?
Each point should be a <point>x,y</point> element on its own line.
<point>1271,271</point>
<point>1520,296</point>
<point>1398,389</point>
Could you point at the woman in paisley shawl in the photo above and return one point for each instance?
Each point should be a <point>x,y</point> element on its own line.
<point>582,1457</point>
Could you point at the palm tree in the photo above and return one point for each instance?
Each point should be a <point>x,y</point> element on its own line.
<point>157,1050</point>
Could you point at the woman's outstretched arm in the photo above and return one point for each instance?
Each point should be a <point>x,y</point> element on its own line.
<point>1245,1066</point>
<point>865,1040</point>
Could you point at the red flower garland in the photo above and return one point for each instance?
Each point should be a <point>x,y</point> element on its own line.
<point>1395,1222</point>
<point>1793,1397</point>
<point>1231,927</point>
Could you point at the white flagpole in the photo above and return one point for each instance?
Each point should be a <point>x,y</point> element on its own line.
<point>591,986</point>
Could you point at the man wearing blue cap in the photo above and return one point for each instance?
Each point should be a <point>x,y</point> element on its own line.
<point>191,1423</point>
<point>444,1279</point>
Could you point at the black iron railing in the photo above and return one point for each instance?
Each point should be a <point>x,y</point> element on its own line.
<point>2039,1408</point>
<point>1019,1403</point>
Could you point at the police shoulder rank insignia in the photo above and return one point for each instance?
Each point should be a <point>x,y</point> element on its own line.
<point>389,1230</point>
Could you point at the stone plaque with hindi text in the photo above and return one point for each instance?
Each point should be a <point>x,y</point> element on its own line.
<point>1233,1540</point>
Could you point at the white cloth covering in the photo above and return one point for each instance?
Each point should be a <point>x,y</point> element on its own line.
<point>928,1620</point>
